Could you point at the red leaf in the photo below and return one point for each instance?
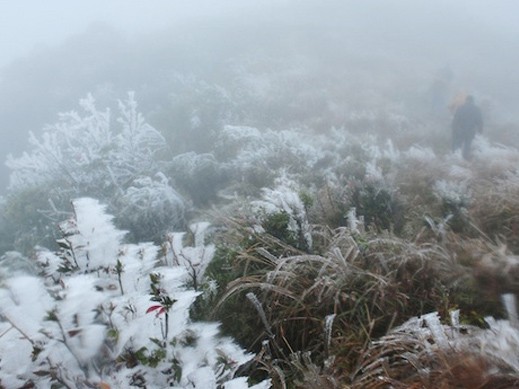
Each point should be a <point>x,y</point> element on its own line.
<point>153,308</point>
<point>73,333</point>
<point>162,310</point>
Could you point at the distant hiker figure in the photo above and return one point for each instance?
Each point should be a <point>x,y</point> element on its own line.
<point>457,101</point>
<point>466,122</point>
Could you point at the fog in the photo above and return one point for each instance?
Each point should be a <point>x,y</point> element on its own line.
<point>348,55</point>
<point>30,25</point>
<point>254,151</point>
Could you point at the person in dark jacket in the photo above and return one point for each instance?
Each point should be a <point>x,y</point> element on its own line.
<point>466,122</point>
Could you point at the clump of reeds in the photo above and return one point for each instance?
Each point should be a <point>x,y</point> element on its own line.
<point>495,208</point>
<point>426,353</point>
<point>334,302</point>
<point>320,315</point>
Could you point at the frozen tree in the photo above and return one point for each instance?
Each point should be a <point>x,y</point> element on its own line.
<point>89,154</point>
<point>112,314</point>
<point>199,175</point>
<point>149,206</point>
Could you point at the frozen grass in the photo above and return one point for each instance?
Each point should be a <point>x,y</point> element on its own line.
<point>337,249</point>
<point>334,303</point>
<point>425,353</point>
<point>323,312</point>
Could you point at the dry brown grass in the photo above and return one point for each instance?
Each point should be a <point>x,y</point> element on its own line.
<point>414,358</point>
<point>495,208</point>
<point>369,283</point>
<point>366,283</point>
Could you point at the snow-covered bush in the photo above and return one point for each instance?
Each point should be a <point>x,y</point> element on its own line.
<point>195,258</point>
<point>107,313</point>
<point>14,263</point>
<point>149,206</point>
<point>255,158</point>
<point>282,213</point>
<point>198,176</point>
<point>193,110</point>
<point>90,154</point>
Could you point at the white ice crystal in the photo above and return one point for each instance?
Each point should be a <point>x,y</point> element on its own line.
<point>285,198</point>
<point>78,321</point>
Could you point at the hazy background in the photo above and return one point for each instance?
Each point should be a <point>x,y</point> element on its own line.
<point>262,63</point>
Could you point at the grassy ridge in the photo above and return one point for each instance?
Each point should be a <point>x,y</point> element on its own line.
<point>429,234</point>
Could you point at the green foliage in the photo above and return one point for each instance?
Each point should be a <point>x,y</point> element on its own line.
<point>143,356</point>
<point>237,316</point>
<point>147,358</point>
<point>222,268</point>
<point>165,303</point>
<point>307,199</point>
<point>376,205</point>
<point>277,225</point>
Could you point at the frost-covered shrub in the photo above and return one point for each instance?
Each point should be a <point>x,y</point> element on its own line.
<point>251,157</point>
<point>196,258</point>
<point>455,196</point>
<point>377,206</point>
<point>193,112</point>
<point>455,193</point>
<point>14,263</point>
<point>255,158</point>
<point>90,154</point>
<point>107,313</point>
<point>493,160</point>
<point>149,206</point>
<point>199,176</point>
<point>369,190</point>
<point>282,213</point>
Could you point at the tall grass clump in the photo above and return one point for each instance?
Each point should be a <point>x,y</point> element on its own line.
<point>328,305</point>
<point>425,352</point>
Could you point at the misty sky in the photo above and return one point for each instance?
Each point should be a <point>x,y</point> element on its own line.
<point>26,25</point>
<point>29,24</point>
<point>408,39</point>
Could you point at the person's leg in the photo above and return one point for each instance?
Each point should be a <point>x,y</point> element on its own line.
<point>457,141</point>
<point>467,145</point>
